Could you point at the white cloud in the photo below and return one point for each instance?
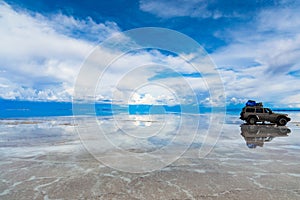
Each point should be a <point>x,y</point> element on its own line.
<point>280,19</point>
<point>142,99</point>
<point>40,56</point>
<point>155,77</point>
<point>257,64</point>
<point>86,29</point>
<point>154,95</point>
<point>179,8</point>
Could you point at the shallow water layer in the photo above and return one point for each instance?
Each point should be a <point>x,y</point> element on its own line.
<point>54,158</point>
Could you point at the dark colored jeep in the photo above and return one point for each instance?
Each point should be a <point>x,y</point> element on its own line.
<point>257,113</point>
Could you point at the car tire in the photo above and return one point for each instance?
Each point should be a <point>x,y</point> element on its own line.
<point>252,120</point>
<point>282,121</point>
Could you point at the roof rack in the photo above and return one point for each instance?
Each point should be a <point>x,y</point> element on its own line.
<point>259,104</point>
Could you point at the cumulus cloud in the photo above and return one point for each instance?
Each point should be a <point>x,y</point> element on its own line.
<point>146,77</point>
<point>86,29</point>
<point>157,96</point>
<point>262,60</point>
<point>40,58</point>
<point>40,55</point>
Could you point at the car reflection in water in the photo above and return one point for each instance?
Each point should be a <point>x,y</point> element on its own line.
<point>257,135</point>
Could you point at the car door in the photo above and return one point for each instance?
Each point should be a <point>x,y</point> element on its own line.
<point>260,113</point>
<point>266,114</point>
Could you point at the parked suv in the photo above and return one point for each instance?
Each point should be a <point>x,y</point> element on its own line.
<point>257,113</point>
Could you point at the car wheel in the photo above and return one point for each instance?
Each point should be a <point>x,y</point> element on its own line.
<point>282,121</point>
<point>252,120</point>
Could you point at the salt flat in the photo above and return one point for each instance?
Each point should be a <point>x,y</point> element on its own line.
<point>46,158</point>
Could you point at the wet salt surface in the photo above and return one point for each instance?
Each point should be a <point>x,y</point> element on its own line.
<point>45,159</point>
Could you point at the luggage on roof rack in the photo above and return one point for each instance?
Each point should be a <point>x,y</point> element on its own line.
<point>253,103</point>
<point>259,104</point>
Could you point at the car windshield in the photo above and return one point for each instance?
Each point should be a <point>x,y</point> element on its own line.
<point>267,110</point>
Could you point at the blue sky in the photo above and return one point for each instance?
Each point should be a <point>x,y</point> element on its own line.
<point>254,45</point>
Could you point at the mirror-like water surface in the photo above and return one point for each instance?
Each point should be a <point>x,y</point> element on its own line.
<point>44,158</point>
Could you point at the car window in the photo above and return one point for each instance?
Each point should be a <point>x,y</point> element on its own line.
<point>250,110</point>
<point>259,110</point>
<point>266,110</point>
